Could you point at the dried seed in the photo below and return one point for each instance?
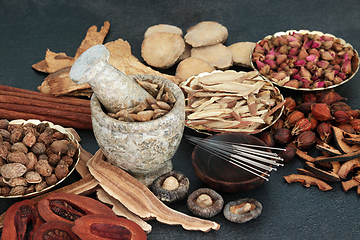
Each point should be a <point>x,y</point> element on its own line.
<point>13,170</point>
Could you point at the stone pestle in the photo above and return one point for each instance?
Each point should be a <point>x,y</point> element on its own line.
<point>114,89</point>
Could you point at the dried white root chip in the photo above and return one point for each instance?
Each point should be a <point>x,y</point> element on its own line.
<point>192,66</point>
<point>163,28</point>
<point>206,33</point>
<point>241,52</point>
<point>218,55</point>
<point>162,50</point>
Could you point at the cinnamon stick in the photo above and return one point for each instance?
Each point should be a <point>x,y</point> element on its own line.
<point>11,115</point>
<point>43,96</point>
<point>44,104</point>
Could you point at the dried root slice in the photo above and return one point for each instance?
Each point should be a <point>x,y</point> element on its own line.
<point>241,52</point>
<point>341,158</point>
<point>138,199</point>
<point>186,54</point>
<point>120,210</point>
<point>163,28</point>
<point>347,167</point>
<point>192,66</point>
<point>162,49</point>
<point>206,33</point>
<point>307,181</point>
<point>218,55</point>
<point>350,184</point>
<point>327,176</point>
<point>339,140</point>
<point>53,62</point>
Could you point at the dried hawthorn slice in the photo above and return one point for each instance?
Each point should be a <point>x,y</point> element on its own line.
<point>97,227</point>
<point>68,207</point>
<point>55,230</point>
<point>21,221</point>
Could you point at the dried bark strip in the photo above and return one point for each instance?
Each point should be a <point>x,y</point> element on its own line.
<point>307,181</point>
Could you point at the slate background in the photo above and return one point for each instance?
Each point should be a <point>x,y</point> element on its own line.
<point>28,28</point>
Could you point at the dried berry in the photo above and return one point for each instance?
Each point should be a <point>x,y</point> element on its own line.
<point>306,140</point>
<point>301,126</point>
<point>321,112</point>
<point>267,138</point>
<point>293,118</point>
<point>289,105</point>
<point>342,117</point>
<point>283,136</point>
<point>325,131</point>
<point>288,154</point>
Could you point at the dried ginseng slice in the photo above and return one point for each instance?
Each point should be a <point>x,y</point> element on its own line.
<point>206,33</point>
<point>192,66</point>
<point>163,28</point>
<point>162,50</point>
<point>217,55</point>
<point>241,52</point>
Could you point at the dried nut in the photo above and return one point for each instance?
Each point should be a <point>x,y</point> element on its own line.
<point>40,186</point>
<point>61,171</point>
<point>342,117</point>
<point>353,113</point>
<point>293,118</point>
<point>19,181</point>
<point>3,151</point>
<point>33,177</point>
<point>321,112</point>
<point>283,136</point>
<point>325,131</point>
<point>305,107</point>
<point>267,138</point>
<point>16,135</point>
<point>278,124</point>
<point>38,148</point>
<point>289,105</point>
<point>347,128</point>
<point>18,190</point>
<point>242,210</point>
<point>29,139</point>
<point>13,170</point>
<point>329,98</point>
<point>313,122</point>
<point>4,123</point>
<point>288,154</point>
<point>305,140</point>
<point>43,168</point>
<point>19,147</point>
<point>17,157</point>
<point>301,126</point>
<point>339,106</point>
<point>51,180</point>
<point>5,135</point>
<point>32,161</point>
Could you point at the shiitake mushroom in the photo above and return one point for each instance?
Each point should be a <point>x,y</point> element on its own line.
<point>242,210</point>
<point>205,202</point>
<point>171,187</point>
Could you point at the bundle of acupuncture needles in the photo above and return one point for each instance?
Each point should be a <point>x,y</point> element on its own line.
<point>252,158</point>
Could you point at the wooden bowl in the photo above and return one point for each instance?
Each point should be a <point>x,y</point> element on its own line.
<point>221,175</point>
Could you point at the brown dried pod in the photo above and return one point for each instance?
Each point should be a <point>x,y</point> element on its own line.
<point>288,154</point>
<point>283,136</point>
<point>33,177</point>
<point>339,106</point>
<point>4,123</point>
<point>17,157</point>
<point>53,159</point>
<point>289,105</point>
<point>267,138</point>
<point>293,118</point>
<point>325,131</point>
<point>321,112</point>
<point>278,124</point>
<point>342,117</point>
<point>19,147</point>
<point>305,107</point>
<point>309,97</point>
<point>46,137</point>
<point>329,98</point>
<point>40,186</point>
<point>16,135</point>
<point>5,135</point>
<point>3,151</point>
<point>306,140</point>
<point>51,180</point>
<point>58,135</point>
<point>43,168</point>
<point>301,126</point>
<point>38,148</point>
<point>355,124</point>
<point>347,128</point>
<point>13,170</point>
<point>18,190</point>
<point>353,113</point>
<point>313,122</point>
<point>29,139</point>
<point>61,171</point>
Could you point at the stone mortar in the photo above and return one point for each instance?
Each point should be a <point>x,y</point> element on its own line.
<point>143,149</point>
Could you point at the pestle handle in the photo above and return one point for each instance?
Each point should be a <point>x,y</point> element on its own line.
<point>114,89</point>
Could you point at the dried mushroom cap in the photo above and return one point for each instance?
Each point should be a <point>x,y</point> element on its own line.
<point>242,210</point>
<point>171,187</point>
<point>199,204</point>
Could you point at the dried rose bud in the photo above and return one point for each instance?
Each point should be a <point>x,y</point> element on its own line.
<point>301,126</point>
<point>306,140</point>
<point>283,136</point>
<point>321,112</point>
<point>293,118</point>
<point>342,117</point>
<point>325,131</point>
